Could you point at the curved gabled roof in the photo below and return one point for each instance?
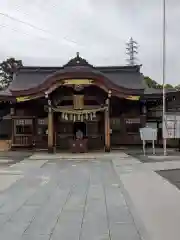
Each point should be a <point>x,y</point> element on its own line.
<point>30,80</point>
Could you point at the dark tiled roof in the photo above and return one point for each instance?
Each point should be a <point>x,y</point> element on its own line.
<point>28,79</point>
<point>158,91</point>
<point>31,77</point>
<point>131,80</point>
<point>153,93</point>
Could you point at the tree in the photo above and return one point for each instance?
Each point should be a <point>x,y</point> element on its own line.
<point>152,83</point>
<point>177,87</point>
<point>7,69</point>
<point>132,51</point>
<point>168,86</point>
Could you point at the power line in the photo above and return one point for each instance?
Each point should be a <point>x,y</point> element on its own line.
<point>33,26</point>
<point>20,31</point>
<point>12,29</point>
<point>23,22</point>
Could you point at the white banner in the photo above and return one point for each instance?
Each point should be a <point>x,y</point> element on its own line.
<point>171,126</point>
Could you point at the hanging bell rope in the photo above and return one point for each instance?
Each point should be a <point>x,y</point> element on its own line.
<point>91,116</point>
<point>71,117</point>
<point>82,118</point>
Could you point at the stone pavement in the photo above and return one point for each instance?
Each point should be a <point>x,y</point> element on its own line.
<point>8,158</point>
<point>101,196</point>
<point>55,199</point>
<point>77,156</point>
<point>154,202</point>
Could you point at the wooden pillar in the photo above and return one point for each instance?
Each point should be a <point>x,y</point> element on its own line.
<point>107,124</point>
<point>50,129</point>
<point>34,126</point>
<point>12,112</point>
<point>143,113</point>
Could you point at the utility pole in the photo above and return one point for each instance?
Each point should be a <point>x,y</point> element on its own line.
<point>164,77</point>
<point>132,51</point>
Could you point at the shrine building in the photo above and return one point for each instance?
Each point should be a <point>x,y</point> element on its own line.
<point>45,108</point>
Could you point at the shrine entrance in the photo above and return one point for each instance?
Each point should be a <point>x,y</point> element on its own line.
<point>67,131</point>
<point>78,117</point>
<point>79,127</point>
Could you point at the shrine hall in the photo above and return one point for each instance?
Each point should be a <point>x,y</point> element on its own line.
<point>79,107</point>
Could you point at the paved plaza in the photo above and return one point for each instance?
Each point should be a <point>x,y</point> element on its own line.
<point>54,199</point>
<point>85,197</point>
<point>12,157</point>
<point>173,176</point>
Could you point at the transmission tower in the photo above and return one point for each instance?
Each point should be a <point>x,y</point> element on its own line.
<point>132,51</point>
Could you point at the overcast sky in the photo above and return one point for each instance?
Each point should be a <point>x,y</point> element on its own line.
<point>50,32</point>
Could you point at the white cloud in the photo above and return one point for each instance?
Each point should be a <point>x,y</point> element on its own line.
<point>55,30</point>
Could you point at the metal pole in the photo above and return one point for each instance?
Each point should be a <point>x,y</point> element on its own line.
<point>164,76</point>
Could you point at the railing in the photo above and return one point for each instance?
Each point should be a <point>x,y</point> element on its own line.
<point>23,140</point>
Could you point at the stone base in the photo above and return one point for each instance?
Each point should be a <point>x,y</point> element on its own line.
<point>51,149</point>
<point>107,149</point>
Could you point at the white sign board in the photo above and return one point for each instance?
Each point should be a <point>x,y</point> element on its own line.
<point>148,134</point>
<point>151,124</point>
<point>171,126</point>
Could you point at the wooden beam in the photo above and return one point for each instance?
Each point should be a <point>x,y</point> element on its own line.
<point>86,97</point>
